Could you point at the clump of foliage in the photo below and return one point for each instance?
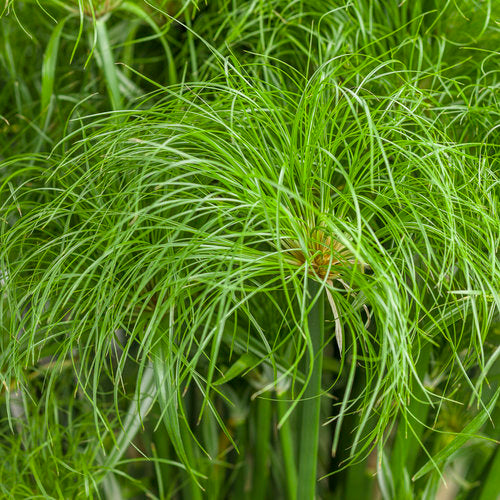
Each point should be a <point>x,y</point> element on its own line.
<point>249,250</point>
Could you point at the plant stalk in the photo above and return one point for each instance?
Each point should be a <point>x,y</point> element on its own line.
<point>407,442</point>
<point>286,439</point>
<point>262,448</point>
<point>309,432</point>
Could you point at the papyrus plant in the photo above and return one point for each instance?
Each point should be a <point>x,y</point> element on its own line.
<point>242,217</point>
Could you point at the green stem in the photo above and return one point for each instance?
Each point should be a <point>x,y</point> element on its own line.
<point>163,449</point>
<point>286,440</point>
<point>407,441</point>
<point>191,489</point>
<point>238,480</point>
<point>262,447</point>
<point>309,433</point>
<point>491,487</point>
<point>211,443</point>
<point>108,65</point>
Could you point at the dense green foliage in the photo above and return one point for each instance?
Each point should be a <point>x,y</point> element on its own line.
<point>249,249</point>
